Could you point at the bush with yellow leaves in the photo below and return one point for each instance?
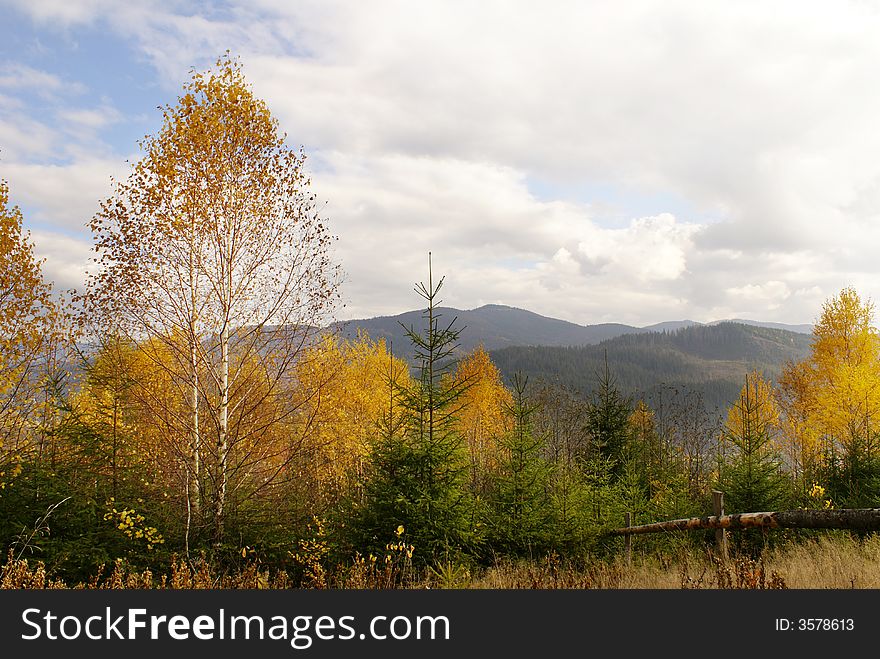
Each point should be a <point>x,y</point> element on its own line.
<point>131,523</point>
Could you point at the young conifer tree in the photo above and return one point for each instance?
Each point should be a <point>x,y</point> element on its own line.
<point>521,519</point>
<point>752,478</point>
<point>418,471</point>
<point>608,425</point>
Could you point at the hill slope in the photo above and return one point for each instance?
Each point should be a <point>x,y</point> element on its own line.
<point>711,359</point>
<point>497,326</point>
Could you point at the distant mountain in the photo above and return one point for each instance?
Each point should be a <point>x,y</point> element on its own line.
<point>493,325</point>
<point>670,326</point>
<point>497,326</point>
<point>710,359</point>
<point>800,329</point>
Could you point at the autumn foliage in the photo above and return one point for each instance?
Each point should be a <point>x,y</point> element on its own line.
<point>194,409</point>
<point>28,335</point>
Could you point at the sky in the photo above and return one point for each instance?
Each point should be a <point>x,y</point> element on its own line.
<point>592,161</point>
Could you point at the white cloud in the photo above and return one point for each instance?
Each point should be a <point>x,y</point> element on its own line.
<point>14,75</point>
<point>91,119</point>
<point>769,292</point>
<point>650,249</point>
<point>491,238</point>
<point>428,121</point>
<point>22,137</point>
<point>66,258</point>
<point>29,132</point>
<point>63,196</point>
<point>65,13</point>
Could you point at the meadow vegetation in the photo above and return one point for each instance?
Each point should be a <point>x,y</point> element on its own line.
<point>831,562</point>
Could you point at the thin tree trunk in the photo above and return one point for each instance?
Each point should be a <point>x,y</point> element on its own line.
<point>189,502</point>
<point>193,482</point>
<point>193,476</point>
<point>114,449</point>
<point>223,440</point>
<point>194,501</point>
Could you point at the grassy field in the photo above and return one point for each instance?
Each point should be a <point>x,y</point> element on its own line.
<point>824,563</point>
<point>829,562</point>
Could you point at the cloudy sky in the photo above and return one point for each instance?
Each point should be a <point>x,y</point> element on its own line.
<point>592,161</point>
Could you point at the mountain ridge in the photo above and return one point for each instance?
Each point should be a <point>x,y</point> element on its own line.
<point>497,326</point>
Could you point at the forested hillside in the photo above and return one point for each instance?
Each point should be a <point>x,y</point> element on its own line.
<point>710,359</point>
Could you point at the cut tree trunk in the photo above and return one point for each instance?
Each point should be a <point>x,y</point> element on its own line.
<point>857,519</point>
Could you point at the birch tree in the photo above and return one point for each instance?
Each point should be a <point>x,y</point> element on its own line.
<point>214,249</point>
<point>832,400</point>
<point>485,416</point>
<point>26,314</point>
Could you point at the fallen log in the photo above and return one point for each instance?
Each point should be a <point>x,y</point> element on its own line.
<point>857,519</point>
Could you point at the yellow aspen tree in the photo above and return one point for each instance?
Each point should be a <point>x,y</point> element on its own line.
<point>484,414</point>
<point>800,439</point>
<point>104,404</point>
<point>644,449</point>
<point>832,398</point>
<point>347,387</point>
<point>215,237</point>
<point>162,416</point>
<point>845,370</point>
<point>26,317</point>
<point>837,388</point>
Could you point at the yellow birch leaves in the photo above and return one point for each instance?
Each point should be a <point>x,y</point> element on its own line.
<point>483,417</point>
<point>835,394</point>
<point>25,317</point>
<point>344,389</point>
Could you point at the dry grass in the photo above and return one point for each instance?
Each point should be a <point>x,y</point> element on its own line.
<point>20,574</point>
<point>645,573</point>
<point>829,562</point>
